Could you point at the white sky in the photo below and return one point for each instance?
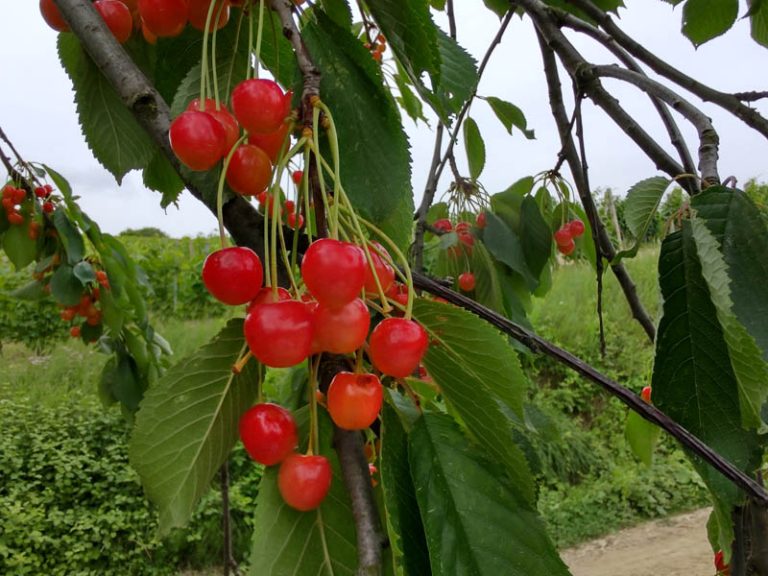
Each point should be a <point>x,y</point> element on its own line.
<point>38,114</point>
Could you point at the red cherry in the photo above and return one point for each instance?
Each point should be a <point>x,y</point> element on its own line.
<point>74,331</point>
<point>41,192</point>
<point>279,334</point>
<point>260,105</point>
<point>266,294</point>
<point>340,330</point>
<point>443,225</point>
<point>223,115</point>
<point>563,236</point>
<point>15,219</point>
<point>48,207</point>
<point>19,195</point>
<point>397,345</point>
<point>8,204</point>
<point>269,433</point>
<point>164,18</point>
<point>463,228</point>
<point>198,14</point>
<point>467,281</point>
<point>198,139</point>
<point>354,400</point>
<point>271,143</point>
<point>568,248</point>
<point>334,271</point>
<point>480,220</point>
<point>720,564</point>
<point>233,275</point>
<point>52,16</point>
<point>295,221</point>
<point>304,481</point>
<point>645,394</point>
<point>249,170</point>
<point>68,314</point>
<point>466,238</point>
<point>8,192</point>
<point>297,177</point>
<point>576,227</point>
<point>384,272</point>
<point>118,18</point>
<point>149,36</point>
<point>289,206</point>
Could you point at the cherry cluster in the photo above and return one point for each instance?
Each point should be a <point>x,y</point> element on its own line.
<point>88,308</point>
<point>205,133</point>
<point>283,330</point>
<point>12,199</point>
<point>377,47</point>
<point>463,229</point>
<point>294,219</point>
<point>155,18</point>
<point>564,237</point>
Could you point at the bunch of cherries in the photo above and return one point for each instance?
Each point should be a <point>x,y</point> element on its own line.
<point>463,229</point>
<point>564,237</point>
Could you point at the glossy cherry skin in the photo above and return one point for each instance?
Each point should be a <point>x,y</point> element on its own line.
<point>52,16</point>
<point>260,105</point>
<point>249,170</point>
<point>334,271</point>
<point>269,433</point>
<point>563,236</point>
<point>576,227</point>
<point>397,345</point>
<point>568,248</point>
<point>443,224</point>
<point>164,18</point>
<point>354,400</point>
<point>467,281</point>
<point>117,17</point>
<point>645,394</point>
<point>384,271</point>
<point>340,330</point>
<point>266,294</point>
<point>271,143</point>
<point>224,116</point>
<point>198,13</point>
<point>304,481</point>
<point>279,334</point>
<point>233,275</point>
<point>480,221</point>
<point>198,139</point>
<point>295,221</point>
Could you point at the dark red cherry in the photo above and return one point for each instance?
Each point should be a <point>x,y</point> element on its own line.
<point>233,275</point>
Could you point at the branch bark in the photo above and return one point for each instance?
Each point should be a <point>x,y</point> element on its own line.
<point>542,346</point>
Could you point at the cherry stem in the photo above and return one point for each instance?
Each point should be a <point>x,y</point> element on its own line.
<point>248,69</point>
<point>220,192</point>
<point>334,224</point>
<point>205,61</point>
<point>314,428</point>
<point>258,37</point>
<point>333,142</point>
<point>237,43</point>
<point>238,366</point>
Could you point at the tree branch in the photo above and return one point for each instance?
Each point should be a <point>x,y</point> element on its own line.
<point>708,138</point>
<point>729,102</point>
<point>604,244</point>
<point>539,345</point>
<point>676,138</point>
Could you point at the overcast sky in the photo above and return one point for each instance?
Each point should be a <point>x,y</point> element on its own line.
<point>38,114</point>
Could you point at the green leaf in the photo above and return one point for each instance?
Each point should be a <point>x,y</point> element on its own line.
<point>476,523</point>
<point>338,11</point>
<point>640,208</point>
<point>84,272</point>
<point>120,381</point>
<point>70,236</point>
<point>508,204</point>
<point>510,116</point>
<point>112,133</point>
<point>65,287</point>
<point>32,291</point>
<point>175,57</point>
<point>480,375</point>
<point>161,177</point>
<point>499,7</point>
<point>19,247</point>
<point>506,247</point>
<point>693,381</point>
<point>707,19</point>
<point>187,425</point>
<point>411,33</point>
<point>375,171</point>
<point>458,75</point>
<point>488,290</point>
<point>535,236</point>
<point>641,436</point>
<point>758,19</point>
<point>408,100</point>
<point>475,148</point>
<point>406,532</point>
<point>313,543</point>
<point>741,233</point>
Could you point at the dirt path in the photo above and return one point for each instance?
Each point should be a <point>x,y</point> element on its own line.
<point>674,546</point>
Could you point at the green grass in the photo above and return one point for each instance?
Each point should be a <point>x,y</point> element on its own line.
<point>70,371</point>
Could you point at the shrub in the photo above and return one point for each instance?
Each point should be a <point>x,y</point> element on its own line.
<point>70,503</point>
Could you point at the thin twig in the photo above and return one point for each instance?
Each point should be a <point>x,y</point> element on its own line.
<point>632,400</point>
<point>605,244</point>
<point>426,202</point>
